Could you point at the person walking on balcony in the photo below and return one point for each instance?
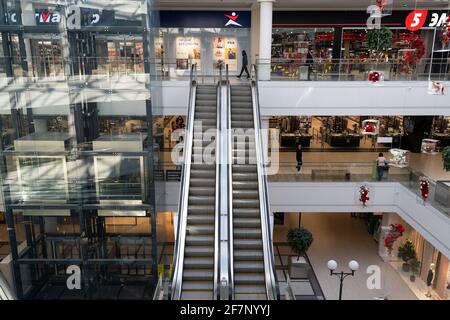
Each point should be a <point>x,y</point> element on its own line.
<point>299,158</point>
<point>309,62</point>
<point>244,65</point>
<point>381,166</point>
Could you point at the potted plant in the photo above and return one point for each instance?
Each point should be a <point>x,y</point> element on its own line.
<point>415,266</point>
<point>299,239</point>
<point>446,158</point>
<point>406,252</point>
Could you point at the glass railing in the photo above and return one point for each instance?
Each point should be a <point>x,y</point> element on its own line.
<point>53,68</point>
<point>355,69</point>
<point>363,172</point>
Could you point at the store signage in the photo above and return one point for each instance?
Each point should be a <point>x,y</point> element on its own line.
<point>232,20</point>
<point>46,17</point>
<point>398,18</point>
<point>417,19</point>
<point>205,19</point>
<point>76,17</point>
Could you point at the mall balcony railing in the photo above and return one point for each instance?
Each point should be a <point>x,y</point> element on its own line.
<point>56,68</point>
<point>355,69</point>
<point>361,172</point>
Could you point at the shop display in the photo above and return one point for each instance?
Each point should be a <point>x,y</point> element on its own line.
<point>364,195</point>
<point>290,48</point>
<point>370,127</point>
<point>410,57</point>
<point>430,278</point>
<point>424,188</point>
<point>188,52</point>
<point>430,146</point>
<point>399,158</point>
<point>225,52</point>
<point>436,88</point>
<point>293,130</point>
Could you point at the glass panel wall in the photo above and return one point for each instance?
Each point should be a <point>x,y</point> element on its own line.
<point>77,151</point>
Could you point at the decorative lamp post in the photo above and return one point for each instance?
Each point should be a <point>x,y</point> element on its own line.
<point>332,265</point>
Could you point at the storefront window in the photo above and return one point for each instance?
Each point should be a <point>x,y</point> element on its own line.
<point>290,49</point>
<point>209,48</point>
<point>118,54</point>
<point>407,56</point>
<point>46,52</point>
<point>335,131</point>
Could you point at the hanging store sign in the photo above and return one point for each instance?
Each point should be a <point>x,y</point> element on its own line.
<point>205,19</point>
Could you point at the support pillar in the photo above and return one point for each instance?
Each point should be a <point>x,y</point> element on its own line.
<point>265,39</point>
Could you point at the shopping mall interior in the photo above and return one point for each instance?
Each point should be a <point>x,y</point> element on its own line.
<point>225,150</point>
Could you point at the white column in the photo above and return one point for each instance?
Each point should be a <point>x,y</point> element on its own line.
<point>265,38</point>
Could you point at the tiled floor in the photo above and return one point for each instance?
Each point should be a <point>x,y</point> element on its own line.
<point>342,238</point>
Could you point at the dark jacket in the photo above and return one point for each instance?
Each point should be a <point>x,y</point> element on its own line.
<point>244,60</point>
<point>299,155</point>
<point>309,59</point>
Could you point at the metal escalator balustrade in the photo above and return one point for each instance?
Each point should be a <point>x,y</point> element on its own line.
<point>252,255</point>
<point>196,267</point>
<point>6,292</point>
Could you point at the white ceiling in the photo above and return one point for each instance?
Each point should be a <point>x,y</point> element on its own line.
<point>300,4</point>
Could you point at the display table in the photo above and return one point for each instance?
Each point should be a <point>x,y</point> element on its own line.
<point>443,138</point>
<point>340,140</point>
<point>291,139</point>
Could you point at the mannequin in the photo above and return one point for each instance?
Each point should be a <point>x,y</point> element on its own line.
<point>430,278</point>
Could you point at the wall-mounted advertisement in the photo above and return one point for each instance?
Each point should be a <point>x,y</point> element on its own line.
<point>187,52</point>
<point>225,52</point>
<point>159,48</point>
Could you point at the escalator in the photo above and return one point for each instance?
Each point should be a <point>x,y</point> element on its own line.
<point>196,253</point>
<point>252,266</point>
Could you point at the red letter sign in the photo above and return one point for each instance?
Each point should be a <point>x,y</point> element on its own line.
<point>416,19</point>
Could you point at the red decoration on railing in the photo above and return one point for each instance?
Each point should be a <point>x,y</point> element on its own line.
<point>374,76</point>
<point>381,4</point>
<point>364,195</point>
<point>424,188</point>
<point>369,127</point>
<point>395,232</point>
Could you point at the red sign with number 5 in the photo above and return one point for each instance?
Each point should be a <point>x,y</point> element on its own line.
<point>416,19</point>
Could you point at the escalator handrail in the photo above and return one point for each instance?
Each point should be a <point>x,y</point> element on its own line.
<point>229,164</point>
<point>178,260</point>
<point>217,194</point>
<point>273,291</point>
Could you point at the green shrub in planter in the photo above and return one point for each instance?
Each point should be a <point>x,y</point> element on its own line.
<point>446,158</point>
<point>300,240</point>
<point>407,252</point>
